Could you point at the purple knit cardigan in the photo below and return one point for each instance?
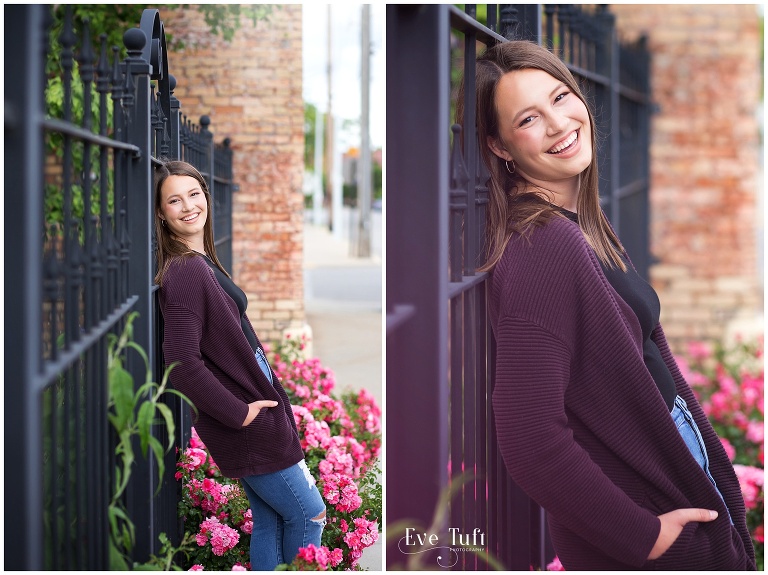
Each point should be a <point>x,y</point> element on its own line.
<point>217,370</point>
<point>581,425</point>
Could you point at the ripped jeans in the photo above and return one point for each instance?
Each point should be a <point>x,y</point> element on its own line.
<point>288,513</point>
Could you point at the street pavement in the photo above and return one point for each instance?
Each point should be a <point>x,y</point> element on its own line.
<point>342,301</point>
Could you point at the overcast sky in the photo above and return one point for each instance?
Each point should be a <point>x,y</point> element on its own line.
<point>345,47</point>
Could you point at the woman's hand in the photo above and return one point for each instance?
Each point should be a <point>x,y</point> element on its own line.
<point>255,407</point>
<point>672,524</point>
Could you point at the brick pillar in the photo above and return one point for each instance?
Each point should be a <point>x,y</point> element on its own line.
<point>705,163</point>
<point>252,90</point>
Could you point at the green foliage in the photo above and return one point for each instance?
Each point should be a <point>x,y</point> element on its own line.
<point>133,414</point>
<point>112,21</point>
<point>310,119</point>
<point>224,19</point>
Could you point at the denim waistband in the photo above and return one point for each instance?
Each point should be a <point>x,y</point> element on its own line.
<point>690,433</point>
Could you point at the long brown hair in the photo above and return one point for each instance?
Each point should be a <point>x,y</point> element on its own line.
<point>168,246</point>
<point>512,209</point>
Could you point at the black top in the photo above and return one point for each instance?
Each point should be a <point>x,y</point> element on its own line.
<point>642,298</point>
<point>238,296</point>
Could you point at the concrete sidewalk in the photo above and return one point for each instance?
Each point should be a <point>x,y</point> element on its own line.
<point>342,300</point>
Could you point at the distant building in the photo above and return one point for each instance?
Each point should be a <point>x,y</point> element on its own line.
<point>706,174</point>
<point>252,90</point>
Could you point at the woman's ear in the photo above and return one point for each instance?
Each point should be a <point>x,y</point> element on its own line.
<point>496,148</point>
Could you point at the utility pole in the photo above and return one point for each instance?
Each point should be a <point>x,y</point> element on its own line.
<point>329,133</point>
<point>364,165</point>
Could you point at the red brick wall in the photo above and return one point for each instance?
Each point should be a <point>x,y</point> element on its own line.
<point>252,90</point>
<point>705,168</point>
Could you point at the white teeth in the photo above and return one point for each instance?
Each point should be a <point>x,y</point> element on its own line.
<point>189,218</point>
<point>560,147</point>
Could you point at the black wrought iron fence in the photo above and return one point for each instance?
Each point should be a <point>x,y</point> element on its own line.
<point>440,349</point>
<point>78,258</point>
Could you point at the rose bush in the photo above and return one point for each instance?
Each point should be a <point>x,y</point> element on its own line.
<point>728,382</point>
<point>341,439</point>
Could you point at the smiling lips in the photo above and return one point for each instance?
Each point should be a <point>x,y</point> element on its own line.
<point>564,144</point>
<point>191,218</point>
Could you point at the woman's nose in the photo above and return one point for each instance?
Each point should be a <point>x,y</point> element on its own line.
<point>557,122</point>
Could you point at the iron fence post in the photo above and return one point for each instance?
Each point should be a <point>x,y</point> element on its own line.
<point>417,171</point>
<point>140,500</point>
<point>23,296</point>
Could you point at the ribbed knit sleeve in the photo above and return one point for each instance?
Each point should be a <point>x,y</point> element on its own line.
<point>185,289</point>
<point>541,455</point>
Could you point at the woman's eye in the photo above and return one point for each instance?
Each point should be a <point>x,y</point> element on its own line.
<point>528,119</point>
<point>561,96</point>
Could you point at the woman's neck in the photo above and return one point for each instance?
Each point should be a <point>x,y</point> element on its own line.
<point>564,197</point>
<point>195,245</point>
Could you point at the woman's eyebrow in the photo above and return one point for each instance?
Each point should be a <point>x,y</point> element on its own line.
<point>560,86</point>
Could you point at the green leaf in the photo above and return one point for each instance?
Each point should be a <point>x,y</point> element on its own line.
<point>169,424</point>
<point>143,354</point>
<point>166,376</point>
<point>116,560</point>
<point>118,517</point>
<point>157,448</point>
<point>121,395</point>
<point>125,449</point>
<point>144,423</point>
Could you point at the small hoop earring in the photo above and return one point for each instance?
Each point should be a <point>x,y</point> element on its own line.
<point>512,171</point>
<point>162,223</point>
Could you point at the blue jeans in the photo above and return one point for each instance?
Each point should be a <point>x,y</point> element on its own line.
<point>288,513</point>
<point>690,433</point>
<point>261,358</point>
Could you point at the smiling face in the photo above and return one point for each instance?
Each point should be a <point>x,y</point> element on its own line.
<point>184,208</point>
<point>544,128</point>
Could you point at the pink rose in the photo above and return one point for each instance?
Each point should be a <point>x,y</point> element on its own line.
<point>555,565</point>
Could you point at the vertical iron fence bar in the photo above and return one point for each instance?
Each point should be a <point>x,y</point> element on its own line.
<point>456,385</point>
<point>549,10</point>
<point>643,255</point>
<point>418,171</point>
<point>481,388</point>
<point>458,255</point>
<point>102,87</point>
<point>466,516</point>
<point>174,121</point>
<point>24,26</point>
<point>207,163</point>
<point>113,227</point>
<point>615,127</point>
<point>140,500</point>
<point>86,62</point>
<point>67,40</point>
<point>469,432</point>
<point>492,17</point>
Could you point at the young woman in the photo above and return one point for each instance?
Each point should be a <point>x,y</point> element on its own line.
<point>245,418</point>
<point>593,418</point>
